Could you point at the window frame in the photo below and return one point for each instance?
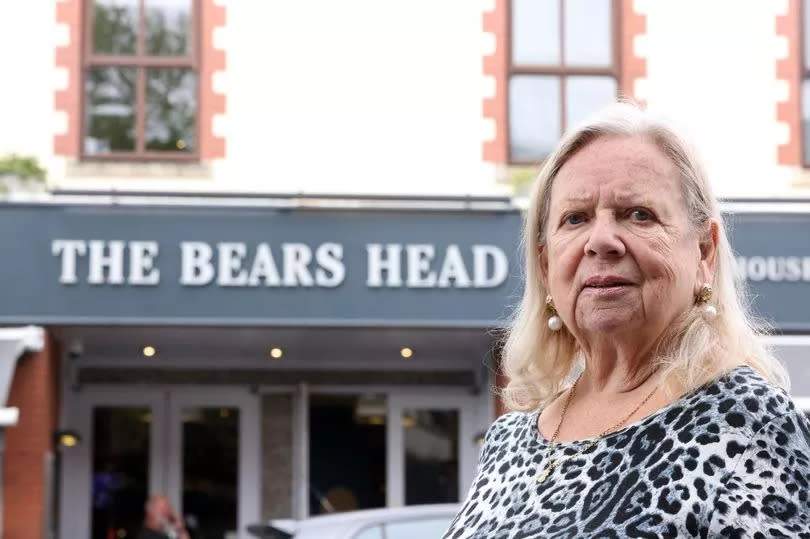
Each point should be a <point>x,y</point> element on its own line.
<point>141,62</point>
<point>559,70</point>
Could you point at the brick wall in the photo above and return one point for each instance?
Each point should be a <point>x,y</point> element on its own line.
<point>35,391</point>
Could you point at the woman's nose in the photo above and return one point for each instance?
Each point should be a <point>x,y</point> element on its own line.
<point>604,239</point>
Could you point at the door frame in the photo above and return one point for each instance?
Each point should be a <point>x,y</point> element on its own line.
<point>249,472</point>
<point>75,514</point>
<point>395,461</point>
<point>474,411</point>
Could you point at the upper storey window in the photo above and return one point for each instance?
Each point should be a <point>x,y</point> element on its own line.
<point>563,67</point>
<point>140,79</point>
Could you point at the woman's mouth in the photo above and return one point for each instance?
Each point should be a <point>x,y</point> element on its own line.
<point>606,285</point>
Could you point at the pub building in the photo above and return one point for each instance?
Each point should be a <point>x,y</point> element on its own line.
<point>251,357</point>
<point>259,357</point>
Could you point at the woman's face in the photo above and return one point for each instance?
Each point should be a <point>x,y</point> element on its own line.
<point>620,255</point>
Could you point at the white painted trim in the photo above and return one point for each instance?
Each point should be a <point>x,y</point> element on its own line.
<point>765,207</point>
<point>164,455</point>
<point>395,442</point>
<point>394,457</point>
<point>786,340</point>
<point>9,416</point>
<point>31,338</point>
<point>14,342</point>
<point>249,463</point>
<point>76,474</point>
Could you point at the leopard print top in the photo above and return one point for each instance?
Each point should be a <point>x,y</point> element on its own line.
<point>731,459</point>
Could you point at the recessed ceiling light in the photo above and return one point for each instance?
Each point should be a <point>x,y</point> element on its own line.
<point>149,351</point>
<point>276,353</point>
<point>406,353</point>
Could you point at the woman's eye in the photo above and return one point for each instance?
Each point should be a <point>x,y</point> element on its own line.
<point>640,215</point>
<point>574,219</point>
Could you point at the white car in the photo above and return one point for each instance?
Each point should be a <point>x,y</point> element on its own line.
<point>415,521</point>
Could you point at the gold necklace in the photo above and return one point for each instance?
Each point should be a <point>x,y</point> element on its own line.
<point>552,464</point>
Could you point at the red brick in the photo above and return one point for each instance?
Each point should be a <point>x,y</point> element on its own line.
<point>35,391</point>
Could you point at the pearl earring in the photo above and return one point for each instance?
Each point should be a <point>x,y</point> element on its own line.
<point>708,310</point>
<point>554,321</point>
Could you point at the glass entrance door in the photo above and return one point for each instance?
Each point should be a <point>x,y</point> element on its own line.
<point>200,448</point>
<point>432,451</point>
<point>213,460</point>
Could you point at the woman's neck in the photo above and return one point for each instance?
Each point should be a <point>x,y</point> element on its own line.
<point>611,368</point>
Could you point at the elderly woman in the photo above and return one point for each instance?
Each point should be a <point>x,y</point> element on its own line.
<point>646,405</point>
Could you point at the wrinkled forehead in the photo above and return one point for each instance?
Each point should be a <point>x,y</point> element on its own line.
<point>627,169</point>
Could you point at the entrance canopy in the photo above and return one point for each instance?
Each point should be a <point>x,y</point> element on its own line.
<point>245,356</point>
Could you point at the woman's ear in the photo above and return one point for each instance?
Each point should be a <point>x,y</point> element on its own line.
<point>542,261</point>
<point>708,251</point>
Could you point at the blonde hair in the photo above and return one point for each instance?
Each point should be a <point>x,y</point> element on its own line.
<point>538,361</point>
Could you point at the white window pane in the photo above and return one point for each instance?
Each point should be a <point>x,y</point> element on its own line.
<point>588,33</point>
<point>806,32</point>
<point>409,529</point>
<point>585,95</point>
<point>806,120</point>
<point>370,533</point>
<point>536,32</point>
<point>534,116</point>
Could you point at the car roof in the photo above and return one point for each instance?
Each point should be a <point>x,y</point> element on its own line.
<point>350,520</point>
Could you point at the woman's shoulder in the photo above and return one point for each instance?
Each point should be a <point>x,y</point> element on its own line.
<point>509,426</point>
<point>741,399</point>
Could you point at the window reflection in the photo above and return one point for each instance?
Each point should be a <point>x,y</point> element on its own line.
<point>586,94</point>
<point>109,110</point>
<point>115,24</point>
<point>168,27</point>
<point>534,116</point>
<point>588,39</point>
<point>431,456</point>
<point>535,32</point>
<point>347,452</point>
<point>120,470</point>
<point>210,470</point>
<point>171,106</point>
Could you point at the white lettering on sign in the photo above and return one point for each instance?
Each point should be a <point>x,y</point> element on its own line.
<point>453,269</point>
<point>106,254</point>
<point>490,266</point>
<point>236,264</point>
<point>105,263</point>
<point>297,257</point>
<point>390,264</point>
<point>331,271</point>
<point>195,263</point>
<point>231,258</point>
<point>774,268</point>
<point>68,250</point>
<point>264,268</point>
<point>419,260</point>
<point>142,270</point>
<point>482,254</point>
